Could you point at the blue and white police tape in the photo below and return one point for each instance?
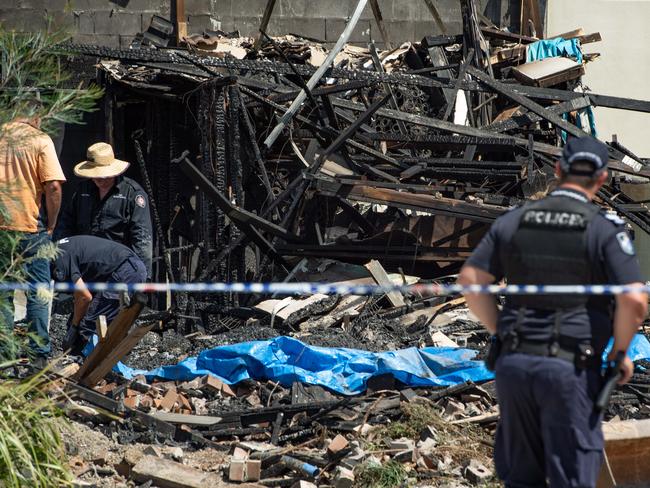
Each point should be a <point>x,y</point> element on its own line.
<point>332,288</point>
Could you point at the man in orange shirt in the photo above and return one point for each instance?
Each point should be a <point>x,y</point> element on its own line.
<point>29,169</point>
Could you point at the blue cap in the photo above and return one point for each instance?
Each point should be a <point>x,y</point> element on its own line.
<point>584,149</point>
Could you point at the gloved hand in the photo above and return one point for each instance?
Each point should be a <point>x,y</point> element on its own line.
<point>72,339</point>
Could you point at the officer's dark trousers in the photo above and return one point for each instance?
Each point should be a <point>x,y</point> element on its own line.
<point>108,303</point>
<point>549,434</point>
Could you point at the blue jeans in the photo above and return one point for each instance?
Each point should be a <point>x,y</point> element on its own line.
<point>36,271</point>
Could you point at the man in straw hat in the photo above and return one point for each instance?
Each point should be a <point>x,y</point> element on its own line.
<point>109,205</point>
<point>29,169</point>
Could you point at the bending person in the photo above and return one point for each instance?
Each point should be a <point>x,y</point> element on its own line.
<point>90,259</point>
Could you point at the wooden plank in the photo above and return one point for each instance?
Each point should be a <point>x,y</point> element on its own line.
<point>165,473</point>
<point>508,92</point>
<point>180,21</point>
<point>102,328</point>
<point>530,117</point>
<point>181,418</point>
<point>532,13</point>
<point>116,354</point>
<point>376,12</point>
<point>507,36</point>
<point>268,11</point>
<point>117,330</point>
<point>381,277</point>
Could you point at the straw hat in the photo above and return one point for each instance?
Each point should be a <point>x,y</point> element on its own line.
<point>101,163</point>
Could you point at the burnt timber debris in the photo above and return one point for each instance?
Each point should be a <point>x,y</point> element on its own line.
<point>278,159</point>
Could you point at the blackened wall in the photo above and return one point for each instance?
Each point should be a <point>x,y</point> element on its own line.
<point>115,22</point>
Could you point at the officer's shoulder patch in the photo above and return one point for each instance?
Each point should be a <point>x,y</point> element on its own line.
<point>613,218</point>
<point>140,201</point>
<point>625,243</point>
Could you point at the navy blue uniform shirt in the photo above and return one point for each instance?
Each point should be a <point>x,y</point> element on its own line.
<point>121,216</point>
<point>610,250</point>
<point>90,258</point>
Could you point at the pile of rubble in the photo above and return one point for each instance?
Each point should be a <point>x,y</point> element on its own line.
<point>403,155</point>
<point>284,160</point>
<point>280,436</point>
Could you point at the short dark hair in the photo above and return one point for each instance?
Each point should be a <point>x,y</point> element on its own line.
<point>583,180</point>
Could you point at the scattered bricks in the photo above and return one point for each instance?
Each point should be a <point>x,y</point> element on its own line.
<point>254,400</point>
<point>402,444</point>
<point>471,398</point>
<point>343,478</point>
<point>169,400</point>
<point>152,451</point>
<point>337,445</point>
<point>245,470</point>
<point>407,395</point>
<point>254,469</point>
<point>476,472</point>
<point>239,453</point>
<point>146,402</point>
<point>453,408</point>
<point>228,391</point>
<point>132,402</point>
<point>211,383</point>
<point>185,403</point>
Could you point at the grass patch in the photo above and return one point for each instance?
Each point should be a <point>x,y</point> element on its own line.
<point>461,442</point>
<point>372,475</point>
<point>31,452</point>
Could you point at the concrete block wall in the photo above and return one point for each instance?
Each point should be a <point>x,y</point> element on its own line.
<point>115,22</point>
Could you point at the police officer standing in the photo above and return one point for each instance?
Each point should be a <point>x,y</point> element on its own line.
<point>109,205</point>
<point>548,373</point>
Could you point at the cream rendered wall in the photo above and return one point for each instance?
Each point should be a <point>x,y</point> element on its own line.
<point>622,70</point>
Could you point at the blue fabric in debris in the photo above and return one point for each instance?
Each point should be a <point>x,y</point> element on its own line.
<point>551,48</point>
<point>345,371</point>
<point>568,48</point>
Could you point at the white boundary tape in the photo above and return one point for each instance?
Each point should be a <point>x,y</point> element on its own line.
<point>333,289</point>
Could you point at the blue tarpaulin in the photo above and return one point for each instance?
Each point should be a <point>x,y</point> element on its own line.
<point>345,371</point>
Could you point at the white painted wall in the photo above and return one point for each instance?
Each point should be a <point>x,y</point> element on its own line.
<point>624,66</point>
<point>623,70</point>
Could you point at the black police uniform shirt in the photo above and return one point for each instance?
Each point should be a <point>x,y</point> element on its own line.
<point>609,248</point>
<point>121,216</point>
<point>90,258</point>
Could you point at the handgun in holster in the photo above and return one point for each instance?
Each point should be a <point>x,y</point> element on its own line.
<point>494,351</point>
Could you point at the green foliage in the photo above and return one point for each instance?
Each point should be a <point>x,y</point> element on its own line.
<point>31,453</point>
<point>416,418</point>
<point>373,475</point>
<point>33,81</point>
<point>33,86</point>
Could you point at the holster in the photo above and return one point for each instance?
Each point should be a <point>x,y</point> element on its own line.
<point>494,351</point>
